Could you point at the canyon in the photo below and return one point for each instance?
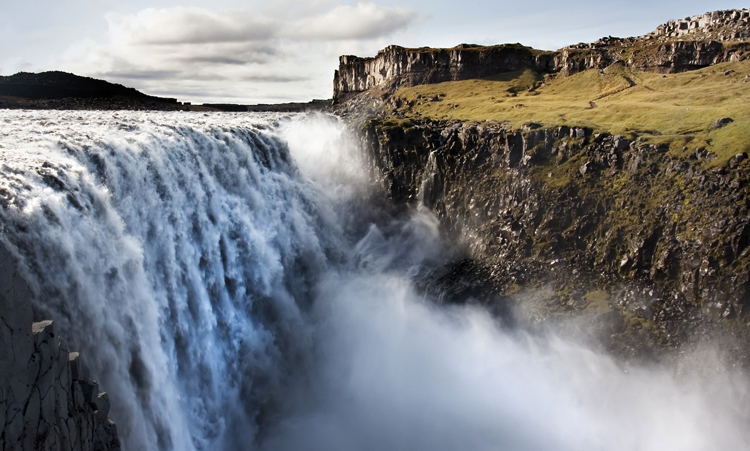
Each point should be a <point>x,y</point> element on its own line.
<point>561,213</point>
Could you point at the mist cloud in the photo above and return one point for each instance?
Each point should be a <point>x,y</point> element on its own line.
<point>395,370</point>
<point>399,373</point>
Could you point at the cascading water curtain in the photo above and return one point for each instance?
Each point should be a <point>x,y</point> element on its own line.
<point>175,253</point>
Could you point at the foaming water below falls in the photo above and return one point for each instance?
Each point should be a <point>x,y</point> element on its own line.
<point>396,372</point>
<point>233,287</point>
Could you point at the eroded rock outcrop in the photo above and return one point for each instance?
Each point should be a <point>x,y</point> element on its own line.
<point>720,25</point>
<point>48,400</point>
<point>677,46</point>
<point>397,66</point>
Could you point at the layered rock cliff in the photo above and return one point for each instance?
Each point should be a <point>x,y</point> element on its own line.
<point>653,248</point>
<point>647,243</point>
<point>48,400</point>
<point>677,46</point>
<point>397,66</point>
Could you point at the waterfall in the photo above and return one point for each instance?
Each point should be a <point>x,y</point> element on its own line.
<point>430,187</point>
<point>233,285</point>
<point>176,252</point>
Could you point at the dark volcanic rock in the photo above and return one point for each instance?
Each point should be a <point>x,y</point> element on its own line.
<point>660,244</point>
<point>397,66</point>
<point>47,399</point>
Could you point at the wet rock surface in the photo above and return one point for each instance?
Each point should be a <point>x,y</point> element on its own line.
<point>650,247</point>
<point>47,399</point>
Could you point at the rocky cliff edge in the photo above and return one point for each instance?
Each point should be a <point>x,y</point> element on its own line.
<point>48,400</point>
<point>677,46</point>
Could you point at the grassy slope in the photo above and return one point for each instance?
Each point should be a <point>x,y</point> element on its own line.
<point>677,109</point>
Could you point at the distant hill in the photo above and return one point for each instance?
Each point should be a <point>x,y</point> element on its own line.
<point>63,90</point>
<point>291,107</point>
<point>59,85</point>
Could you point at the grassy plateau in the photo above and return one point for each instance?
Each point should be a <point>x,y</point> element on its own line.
<point>674,109</point>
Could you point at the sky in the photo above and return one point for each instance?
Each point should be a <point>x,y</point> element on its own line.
<point>273,51</point>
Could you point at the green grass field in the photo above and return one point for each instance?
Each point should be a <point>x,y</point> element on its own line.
<point>677,109</point>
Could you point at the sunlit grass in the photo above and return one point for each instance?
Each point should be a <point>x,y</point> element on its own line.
<point>677,109</point>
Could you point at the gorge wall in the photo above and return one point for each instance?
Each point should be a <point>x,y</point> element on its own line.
<point>48,400</point>
<point>677,46</point>
<point>654,249</point>
<point>397,66</point>
<point>649,246</point>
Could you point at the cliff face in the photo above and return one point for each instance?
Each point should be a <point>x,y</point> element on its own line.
<point>47,399</point>
<point>650,244</point>
<point>677,46</point>
<point>397,66</point>
<point>720,25</point>
<point>655,247</point>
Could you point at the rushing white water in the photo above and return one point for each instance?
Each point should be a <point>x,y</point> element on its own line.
<point>173,250</point>
<point>233,287</point>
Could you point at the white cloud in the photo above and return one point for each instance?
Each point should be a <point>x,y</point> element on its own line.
<point>232,52</point>
<point>363,21</point>
<point>180,25</point>
<point>183,26</point>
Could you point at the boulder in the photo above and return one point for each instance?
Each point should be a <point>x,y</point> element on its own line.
<point>531,126</point>
<point>621,143</point>
<point>721,123</point>
<point>737,159</point>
